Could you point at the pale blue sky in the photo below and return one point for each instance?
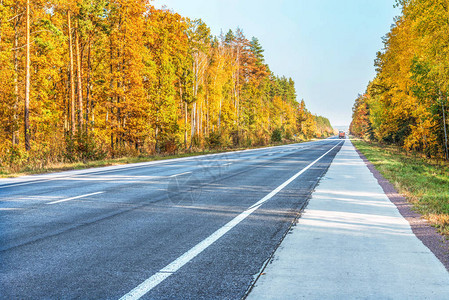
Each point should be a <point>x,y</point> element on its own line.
<point>327,46</point>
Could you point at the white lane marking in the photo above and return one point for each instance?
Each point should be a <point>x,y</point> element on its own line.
<point>149,164</point>
<point>178,263</point>
<point>29,198</point>
<point>180,174</point>
<point>24,183</point>
<point>78,176</point>
<point>73,198</point>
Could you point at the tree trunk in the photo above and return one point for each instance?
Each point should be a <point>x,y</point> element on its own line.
<point>89,105</point>
<point>199,119</point>
<point>119,135</point>
<point>66,106</point>
<point>79,80</point>
<point>207,131</point>
<point>156,137</point>
<point>219,112</point>
<point>15,133</point>
<point>72,79</point>
<point>27,80</point>
<point>445,130</point>
<point>185,124</point>
<point>185,114</point>
<point>237,94</point>
<point>111,98</point>
<point>193,125</point>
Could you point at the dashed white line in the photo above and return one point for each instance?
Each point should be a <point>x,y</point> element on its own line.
<point>178,263</point>
<point>73,198</point>
<point>141,165</point>
<point>24,183</point>
<point>180,174</point>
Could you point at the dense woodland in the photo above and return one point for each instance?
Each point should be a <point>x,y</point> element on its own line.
<point>407,103</point>
<point>104,78</point>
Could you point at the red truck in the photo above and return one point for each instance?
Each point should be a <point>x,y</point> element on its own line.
<point>341,135</point>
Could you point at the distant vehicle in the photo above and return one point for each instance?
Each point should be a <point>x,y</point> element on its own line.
<point>341,135</point>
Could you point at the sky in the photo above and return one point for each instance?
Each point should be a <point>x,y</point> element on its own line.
<point>327,47</point>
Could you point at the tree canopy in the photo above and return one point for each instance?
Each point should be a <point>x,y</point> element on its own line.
<point>120,77</point>
<point>407,103</point>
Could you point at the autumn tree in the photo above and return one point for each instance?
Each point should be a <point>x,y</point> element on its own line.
<point>88,79</point>
<point>406,103</point>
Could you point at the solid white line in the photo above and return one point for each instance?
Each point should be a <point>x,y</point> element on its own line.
<point>72,198</point>
<point>174,266</point>
<point>180,174</point>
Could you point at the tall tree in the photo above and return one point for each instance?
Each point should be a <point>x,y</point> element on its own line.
<point>120,77</point>
<point>27,79</point>
<point>79,79</point>
<point>72,73</point>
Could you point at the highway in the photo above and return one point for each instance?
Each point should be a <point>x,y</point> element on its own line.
<point>190,228</point>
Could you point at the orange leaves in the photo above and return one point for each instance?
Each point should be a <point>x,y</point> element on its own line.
<point>138,79</point>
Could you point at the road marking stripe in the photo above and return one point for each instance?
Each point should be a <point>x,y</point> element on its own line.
<point>23,183</point>
<point>180,174</point>
<point>76,176</point>
<point>178,263</point>
<point>127,167</point>
<point>73,198</point>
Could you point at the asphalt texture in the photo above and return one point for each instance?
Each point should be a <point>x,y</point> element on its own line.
<point>99,233</point>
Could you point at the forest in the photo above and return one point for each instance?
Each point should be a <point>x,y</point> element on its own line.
<point>84,80</point>
<point>406,104</point>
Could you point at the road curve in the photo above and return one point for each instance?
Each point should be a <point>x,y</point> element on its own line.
<point>191,228</point>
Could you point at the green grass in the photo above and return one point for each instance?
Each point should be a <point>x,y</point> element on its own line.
<point>424,182</point>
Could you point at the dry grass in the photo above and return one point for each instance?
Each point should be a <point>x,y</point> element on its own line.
<point>66,166</point>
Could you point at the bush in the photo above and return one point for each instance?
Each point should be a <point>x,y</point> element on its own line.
<point>214,140</point>
<point>82,147</point>
<point>236,138</point>
<point>170,146</point>
<point>276,136</point>
<point>288,134</point>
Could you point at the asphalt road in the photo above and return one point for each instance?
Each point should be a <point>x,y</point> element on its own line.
<point>191,228</point>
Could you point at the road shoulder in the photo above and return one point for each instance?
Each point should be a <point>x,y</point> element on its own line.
<point>428,235</point>
<point>352,242</point>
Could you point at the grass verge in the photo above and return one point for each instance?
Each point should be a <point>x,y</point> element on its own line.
<point>65,166</point>
<point>424,182</point>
